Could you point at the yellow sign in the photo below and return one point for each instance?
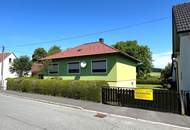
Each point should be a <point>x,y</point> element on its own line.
<point>144,94</point>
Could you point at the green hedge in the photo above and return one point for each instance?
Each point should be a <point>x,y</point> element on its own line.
<point>148,81</point>
<point>77,89</point>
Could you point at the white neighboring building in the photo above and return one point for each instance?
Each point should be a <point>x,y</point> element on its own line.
<point>181,45</point>
<point>7,59</point>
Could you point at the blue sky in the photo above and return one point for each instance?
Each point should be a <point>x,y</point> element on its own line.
<point>34,21</point>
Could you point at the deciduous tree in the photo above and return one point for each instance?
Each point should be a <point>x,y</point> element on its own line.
<point>141,52</point>
<point>54,49</point>
<point>21,66</point>
<point>38,54</point>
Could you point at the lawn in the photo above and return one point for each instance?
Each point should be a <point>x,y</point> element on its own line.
<point>155,74</point>
<point>151,86</point>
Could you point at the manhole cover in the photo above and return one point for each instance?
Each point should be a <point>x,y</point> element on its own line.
<point>100,115</point>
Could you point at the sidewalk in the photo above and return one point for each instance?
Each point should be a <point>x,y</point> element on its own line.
<point>168,118</point>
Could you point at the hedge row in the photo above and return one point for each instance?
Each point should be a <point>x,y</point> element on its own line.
<point>148,81</point>
<point>85,90</point>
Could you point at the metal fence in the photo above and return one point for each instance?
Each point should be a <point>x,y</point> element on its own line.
<point>163,100</point>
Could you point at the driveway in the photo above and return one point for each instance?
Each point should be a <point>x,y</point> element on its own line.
<point>17,113</point>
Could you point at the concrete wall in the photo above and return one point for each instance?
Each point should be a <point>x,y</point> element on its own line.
<point>184,62</point>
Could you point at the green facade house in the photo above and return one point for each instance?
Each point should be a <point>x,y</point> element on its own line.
<point>93,61</point>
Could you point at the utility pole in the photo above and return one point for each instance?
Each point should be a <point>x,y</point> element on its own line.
<point>2,65</point>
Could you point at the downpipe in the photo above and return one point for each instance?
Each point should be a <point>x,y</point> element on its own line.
<point>178,89</point>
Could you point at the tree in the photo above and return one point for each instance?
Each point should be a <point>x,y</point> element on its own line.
<point>140,52</point>
<point>54,49</point>
<point>38,54</point>
<point>166,73</point>
<point>21,66</point>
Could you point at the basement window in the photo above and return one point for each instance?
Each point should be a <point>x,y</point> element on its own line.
<point>73,67</point>
<point>99,66</point>
<point>53,68</point>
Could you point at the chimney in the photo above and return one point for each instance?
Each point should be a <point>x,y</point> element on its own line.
<point>101,40</point>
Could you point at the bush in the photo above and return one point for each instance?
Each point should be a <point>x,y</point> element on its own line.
<point>77,89</point>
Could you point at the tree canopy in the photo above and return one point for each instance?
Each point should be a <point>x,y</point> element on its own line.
<point>54,49</point>
<point>166,72</point>
<point>21,66</point>
<point>38,54</point>
<point>141,52</point>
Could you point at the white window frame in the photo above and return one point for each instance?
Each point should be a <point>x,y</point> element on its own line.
<point>57,69</point>
<point>99,72</point>
<point>73,62</point>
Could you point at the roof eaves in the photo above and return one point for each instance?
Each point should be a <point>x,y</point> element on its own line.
<point>186,31</point>
<point>131,57</point>
<point>125,54</point>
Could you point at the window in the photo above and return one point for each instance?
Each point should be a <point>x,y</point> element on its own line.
<point>10,60</point>
<point>53,68</point>
<point>99,66</point>
<point>73,67</point>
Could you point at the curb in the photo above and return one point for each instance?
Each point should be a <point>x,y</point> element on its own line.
<point>45,101</point>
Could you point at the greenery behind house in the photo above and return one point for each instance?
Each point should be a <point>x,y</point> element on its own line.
<point>141,52</point>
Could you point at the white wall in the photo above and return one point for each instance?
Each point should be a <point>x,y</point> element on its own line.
<point>184,62</point>
<point>6,66</point>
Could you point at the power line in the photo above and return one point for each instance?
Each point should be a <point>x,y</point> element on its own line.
<point>99,32</point>
<point>22,52</point>
<point>2,68</point>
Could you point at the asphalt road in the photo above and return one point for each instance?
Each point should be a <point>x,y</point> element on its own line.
<point>22,114</point>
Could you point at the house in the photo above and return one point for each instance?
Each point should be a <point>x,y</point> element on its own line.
<point>94,61</point>
<point>181,45</point>
<point>7,59</point>
<point>36,68</point>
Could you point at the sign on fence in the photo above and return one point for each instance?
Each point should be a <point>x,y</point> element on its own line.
<point>159,100</point>
<point>144,94</point>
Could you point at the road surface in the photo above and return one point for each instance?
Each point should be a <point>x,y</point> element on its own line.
<point>17,113</point>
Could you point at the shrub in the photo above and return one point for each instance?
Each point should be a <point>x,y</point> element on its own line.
<point>78,89</point>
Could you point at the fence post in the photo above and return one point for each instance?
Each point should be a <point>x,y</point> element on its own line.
<point>188,103</point>
<point>102,95</point>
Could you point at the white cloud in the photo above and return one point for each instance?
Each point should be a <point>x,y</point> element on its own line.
<point>160,60</point>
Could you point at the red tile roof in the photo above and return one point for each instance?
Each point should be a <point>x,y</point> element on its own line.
<point>3,56</point>
<point>94,48</point>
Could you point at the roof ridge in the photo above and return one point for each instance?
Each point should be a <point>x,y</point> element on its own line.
<point>80,45</point>
<point>89,43</point>
<point>182,4</point>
